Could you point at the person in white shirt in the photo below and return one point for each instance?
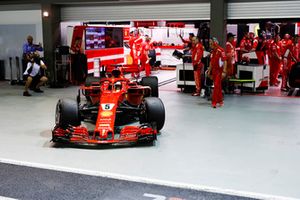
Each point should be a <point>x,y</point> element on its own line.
<point>34,72</point>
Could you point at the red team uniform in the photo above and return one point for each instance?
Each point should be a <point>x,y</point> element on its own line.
<point>197,54</point>
<point>230,54</point>
<point>287,57</point>
<point>145,47</point>
<point>217,58</point>
<point>274,62</point>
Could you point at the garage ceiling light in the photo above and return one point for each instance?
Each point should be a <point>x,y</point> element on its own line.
<point>45,14</point>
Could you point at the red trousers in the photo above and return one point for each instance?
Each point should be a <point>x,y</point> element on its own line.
<point>287,64</point>
<point>134,58</point>
<point>261,57</point>
<point>197,77</point>
<point>145,65</point>
<point>217,96</point>
<point>274,70</point>
<point>230,69</point>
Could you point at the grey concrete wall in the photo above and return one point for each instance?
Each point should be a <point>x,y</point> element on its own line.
<point>51,34</point>
<point>218,14</point>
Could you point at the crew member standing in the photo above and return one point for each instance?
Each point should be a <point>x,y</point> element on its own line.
<point>260,47</point>
<point>28,49</point>
<point>287,56</point>
<point>274,60</point>
<point>79,63</point>
<point>189,43</point>
<point>197,54</point>
<point>230,54</point>
<point>217,68</point>
<point>145,47</point>
<point>137,43</point>
<point>296,49</point>
<point>246,45</point>
<point>132,47</point>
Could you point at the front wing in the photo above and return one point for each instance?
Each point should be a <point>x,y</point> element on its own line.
<point>81,135</point>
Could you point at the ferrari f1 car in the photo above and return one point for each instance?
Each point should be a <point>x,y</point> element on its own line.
<point>121,111</point>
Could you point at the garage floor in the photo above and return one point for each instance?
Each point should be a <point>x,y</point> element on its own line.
<point>251,145</point>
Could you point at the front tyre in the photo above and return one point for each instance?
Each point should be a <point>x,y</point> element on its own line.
<point>154,112</point>
<point>67,113</point>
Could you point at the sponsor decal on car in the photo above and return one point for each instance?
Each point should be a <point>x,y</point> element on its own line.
<point>107,106</point>
<point>106,113</point>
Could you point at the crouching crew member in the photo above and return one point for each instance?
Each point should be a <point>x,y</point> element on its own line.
<point>34,74</point>
<point>217,69</point>
<point>197,54</point>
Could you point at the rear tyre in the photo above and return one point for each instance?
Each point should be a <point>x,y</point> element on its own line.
<point>67,113</point>
<point>152,82</point>
<point>294,76</point>
<point>154,112</point>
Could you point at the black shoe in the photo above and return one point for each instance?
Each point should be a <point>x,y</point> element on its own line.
<point>38,90</point>
<point>26,94</point>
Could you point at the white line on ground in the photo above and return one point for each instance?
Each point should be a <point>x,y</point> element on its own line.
<point>6,198</point>
<point>147,180</point>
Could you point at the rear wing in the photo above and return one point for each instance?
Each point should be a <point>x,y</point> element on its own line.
<point>133,68</point>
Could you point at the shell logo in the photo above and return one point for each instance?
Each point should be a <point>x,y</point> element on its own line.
<point>103,133</point>
<point>106,113</point>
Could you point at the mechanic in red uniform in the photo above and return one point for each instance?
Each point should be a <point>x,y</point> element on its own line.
<point>288,58</point>
<point>144,58</point>
<point>274,60</point>
<point>134,41</point>
<point>189,42</point>
<point>230,54</point>
<point>217,68</point>
<point>246,45</point>
<point>197,54</point>
<point>137,43</point>
<point>296,49</point>
<point>260,47</point>
<point>131,42</point>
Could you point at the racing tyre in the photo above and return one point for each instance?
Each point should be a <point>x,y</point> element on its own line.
<point>294,76</point>
<point>67,113</point>
<point>154,111</point>
<point>152,82</point>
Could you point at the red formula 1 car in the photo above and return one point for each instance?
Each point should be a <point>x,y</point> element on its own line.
<point>120,111</point>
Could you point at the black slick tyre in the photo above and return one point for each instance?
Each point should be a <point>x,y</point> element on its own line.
<point>67,113</point>
<point>154,112</point>
<point>152,82</point>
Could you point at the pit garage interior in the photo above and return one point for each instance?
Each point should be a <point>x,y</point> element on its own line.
<point>247,149</point>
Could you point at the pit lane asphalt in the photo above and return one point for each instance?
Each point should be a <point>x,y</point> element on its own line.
<point>20,182</point>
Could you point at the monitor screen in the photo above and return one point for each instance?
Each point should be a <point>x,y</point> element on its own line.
<point>94,38</point>
<point>113,37</point>
<point>103,37</point>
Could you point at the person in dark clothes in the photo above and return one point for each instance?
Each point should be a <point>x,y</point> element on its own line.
<point>79,62</point>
